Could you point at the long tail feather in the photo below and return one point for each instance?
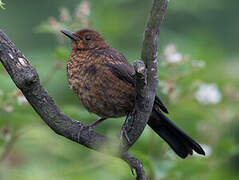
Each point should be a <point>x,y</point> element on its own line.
<point>179,141</point>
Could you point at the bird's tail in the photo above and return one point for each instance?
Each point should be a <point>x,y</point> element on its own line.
<point>179,141</point>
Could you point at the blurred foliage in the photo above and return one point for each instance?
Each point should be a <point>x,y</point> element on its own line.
<point>198,64</point>
<point>2,4</point>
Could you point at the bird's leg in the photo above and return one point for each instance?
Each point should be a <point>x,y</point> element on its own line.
<point>97,122</point>
<point>123,131</point>
<point>91,126</point>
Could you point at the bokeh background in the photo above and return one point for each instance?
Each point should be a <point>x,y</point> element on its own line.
<point>199,83</point>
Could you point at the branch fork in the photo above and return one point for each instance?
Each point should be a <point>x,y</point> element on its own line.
<point>27,80</point>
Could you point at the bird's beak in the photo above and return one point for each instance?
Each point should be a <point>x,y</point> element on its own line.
<point>70,35</point>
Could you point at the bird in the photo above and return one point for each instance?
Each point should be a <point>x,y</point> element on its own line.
<point>104,82</point>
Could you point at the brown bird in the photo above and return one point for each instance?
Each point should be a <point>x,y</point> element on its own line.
<point>103,80</point>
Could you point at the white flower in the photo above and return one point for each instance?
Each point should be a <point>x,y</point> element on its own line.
<point>8,109</point>
<point>65,15</point>
<point>168,87</point>
<point>171,55</point>
<point>208,94</point>
<point>54,24</point>
<point>21,100</point>
<point>170,49</point>
<point>83,10</point>
<point>175,58</point>
<point>2,4</point>
<point>82,13</point>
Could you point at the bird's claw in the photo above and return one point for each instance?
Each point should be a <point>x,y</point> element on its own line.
<point>132,169</point>
<point>89,128</point>
<point>123,133</point>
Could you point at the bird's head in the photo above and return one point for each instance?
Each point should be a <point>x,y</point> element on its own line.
<point>86,39</point>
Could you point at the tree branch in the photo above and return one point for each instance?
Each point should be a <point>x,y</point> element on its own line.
<point>27,80</point>
<point>146,76</point>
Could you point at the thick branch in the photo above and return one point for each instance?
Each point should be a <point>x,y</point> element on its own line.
<point>27,80</point>
<point>135,164</point>
<point>146,78</point>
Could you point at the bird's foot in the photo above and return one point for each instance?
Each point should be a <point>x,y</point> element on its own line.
<point>89,128</point>
<point>123,132</point>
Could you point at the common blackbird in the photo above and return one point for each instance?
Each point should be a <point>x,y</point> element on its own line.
<point>104,82</point>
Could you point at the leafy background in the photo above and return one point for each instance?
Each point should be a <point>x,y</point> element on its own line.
<point>199,83</point>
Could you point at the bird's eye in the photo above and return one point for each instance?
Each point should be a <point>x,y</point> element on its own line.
<point>88,38</point>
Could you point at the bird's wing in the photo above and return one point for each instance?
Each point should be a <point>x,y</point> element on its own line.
<point>121,68</point>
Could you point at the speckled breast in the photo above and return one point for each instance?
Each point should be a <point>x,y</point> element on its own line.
<point>99,91</point>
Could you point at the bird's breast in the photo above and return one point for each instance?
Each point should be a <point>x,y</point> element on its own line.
<point>99,91</point>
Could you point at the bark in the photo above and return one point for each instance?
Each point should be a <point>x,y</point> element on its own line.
<point>146,75</point>
<point>27,80</point>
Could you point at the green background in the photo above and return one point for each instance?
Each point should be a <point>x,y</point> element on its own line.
<point>204,30</point>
